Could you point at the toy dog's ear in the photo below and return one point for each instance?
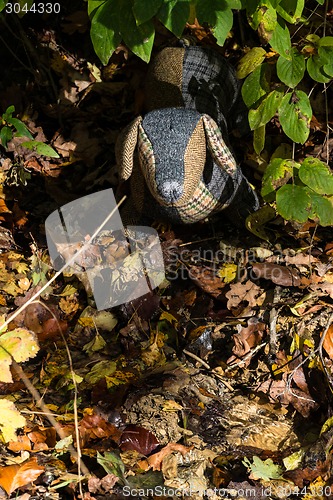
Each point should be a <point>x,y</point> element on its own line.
<point>217,146</point>
<point>125,148</point>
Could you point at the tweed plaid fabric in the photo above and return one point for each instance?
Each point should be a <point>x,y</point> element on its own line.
<point>209,84</point>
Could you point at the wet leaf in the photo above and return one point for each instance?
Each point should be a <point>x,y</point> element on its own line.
<point>137,438</point>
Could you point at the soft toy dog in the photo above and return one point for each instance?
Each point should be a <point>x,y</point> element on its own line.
<point>177,156</point>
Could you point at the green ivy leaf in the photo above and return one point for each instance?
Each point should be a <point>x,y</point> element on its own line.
<point>139,39</point>
<point>280,40</point>
<point>40,148</point>
<point>174,15</point>
<point>144,10</point>
<point>290,10</point>
<point>291,71</point>
<point>104,31</point>
<point>293,202</point>
<point>259,136</point>
<point>256,84</point>
<point>295,114</point>
<point>6,135</point>
<point>277,174</point>
<point>316,70</point>
<point>321,208</point>
<point>250,61</point>
<point>317,175</point>
<point>266,109</point>
<point>218,14</point>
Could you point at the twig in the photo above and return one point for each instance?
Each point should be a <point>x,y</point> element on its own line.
<point>206,365</point>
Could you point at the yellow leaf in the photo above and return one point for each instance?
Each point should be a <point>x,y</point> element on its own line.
<point>10,420</point>
<point>228,272</point>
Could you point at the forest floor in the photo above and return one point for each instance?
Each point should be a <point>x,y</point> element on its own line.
<point>216,385</point>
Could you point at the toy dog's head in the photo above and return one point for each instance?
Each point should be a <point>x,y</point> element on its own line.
<point>174,147</point>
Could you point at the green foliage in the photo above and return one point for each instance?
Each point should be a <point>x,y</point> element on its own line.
<point>13,127</point>
<point>273,74</point>
<point>310,196</point>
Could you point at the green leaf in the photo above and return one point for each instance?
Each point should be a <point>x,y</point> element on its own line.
<point>328,69</point>
<point>250,61</point>
<point>280,40</point>
<point>100,370</point>
<point>94,4</point>
<point>22,130</point>
<point>321,2</point>
<point>10,420</point>
<point>259,136</point>
<point>266,109</point>
<point>19,344</point>
<point>174,15</point>
<point>139,39</point>
<point>6,135</point>
<point>218,15</point>
<point>293,202</point>
<point>40,148</point>
<point>265,470</point>
<point>104,31</point>
<point>321,208</point>
<point>277,174</point>
<point>112,464</point>
<point>315,69</point>
<point>3,4</point>
<point>295,114</point>
<point>264,18</point>
<point>325,50</point>
<point>256,85</point>
<point>144,10</point>
<point>235,4</point>
<point>317,175</point>
<point>9,111</point>
<point>291,10</point>
<point>291,72</point>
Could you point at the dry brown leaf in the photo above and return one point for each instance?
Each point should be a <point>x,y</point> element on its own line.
<point>279,391</point>
<point>328,342</point>
<point>241,292</point>
<point>280,275</point>
<point>155,461</point>
<point>246,339</point>
<point>94,426</point>
<point>207,280</point>
<point>16,476</point>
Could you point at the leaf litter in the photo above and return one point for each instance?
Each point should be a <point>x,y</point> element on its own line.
<point>220,379</point>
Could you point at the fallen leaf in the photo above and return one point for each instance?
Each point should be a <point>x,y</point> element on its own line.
<point>16,476</point>
<point>243,292</point>
<point>328,342</point>
<point>280,275</point>
<point>137,438</point>
<point>155,461</point>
